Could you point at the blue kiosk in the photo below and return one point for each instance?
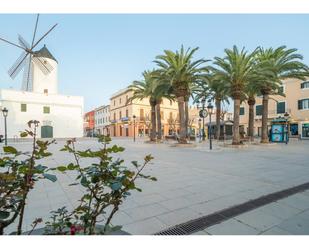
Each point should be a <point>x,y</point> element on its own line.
<point>279,130</point>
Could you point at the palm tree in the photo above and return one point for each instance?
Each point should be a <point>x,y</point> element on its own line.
<point>161,90</point>
<point>219,93</point>
<point>146,89</point>
<point>180,71</point>
<point>284,63</point>
<point>236,69</point>
<point>252,89</point>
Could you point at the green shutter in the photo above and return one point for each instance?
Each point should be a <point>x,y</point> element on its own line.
<point>258,110</point>
<point>242,111</point>
<point>280,107</point>
<point>23,107</point>
<point>300,105</point>
<point>46,109</point>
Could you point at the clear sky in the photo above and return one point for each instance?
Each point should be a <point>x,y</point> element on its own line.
<point>100,54</point>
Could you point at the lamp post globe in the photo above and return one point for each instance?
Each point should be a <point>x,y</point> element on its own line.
<point>5,113</point>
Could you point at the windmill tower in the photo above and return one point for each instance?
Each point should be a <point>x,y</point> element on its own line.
<point>42,80</point>
<point>40,67</point>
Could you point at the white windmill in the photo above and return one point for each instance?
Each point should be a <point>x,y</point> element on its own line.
<point>40,67</point>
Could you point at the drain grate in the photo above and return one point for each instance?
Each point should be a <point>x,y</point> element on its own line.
<point>222,215</point>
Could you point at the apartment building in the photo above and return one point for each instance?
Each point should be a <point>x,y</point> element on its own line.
<point>295,103</point>
<point>89,124</point>
<point>122,112</point>
<point>102,120</point>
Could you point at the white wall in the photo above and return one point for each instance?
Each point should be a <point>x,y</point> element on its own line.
<point>66,113</point>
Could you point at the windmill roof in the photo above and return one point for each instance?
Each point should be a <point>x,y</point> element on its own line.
<point>44,52</point>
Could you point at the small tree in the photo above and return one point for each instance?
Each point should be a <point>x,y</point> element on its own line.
<point>107,183</point>
<point>18,173</point>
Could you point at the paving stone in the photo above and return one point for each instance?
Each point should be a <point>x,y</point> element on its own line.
<point>276,231</point>
<point>258,220</point>
<point>178,216</point>
<point>145,227</point>
<point>299,201</point>
<point>143,212</point>
<point>231,227</point>
<point>279,210</point>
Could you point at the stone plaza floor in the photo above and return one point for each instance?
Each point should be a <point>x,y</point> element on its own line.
<point>193,182</point>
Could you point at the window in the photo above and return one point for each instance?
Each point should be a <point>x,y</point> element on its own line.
<point>46,109</point>
<point>242,111</point>
<point>280,107</point>
<point>114,102</point>
<point>120,115</point>
<point>127,99</point>
<point>23,107</point>
<point>171,102</point>
<point>127,113</point>
<point>303,104</point>
<point>162,114</point>
<point>171,115</point>
<point>119,100</point>
<point>304,85</point>
<point>281,90</point>
<point>258,110</point>
<point>114,116</point>
<point>46,91</point>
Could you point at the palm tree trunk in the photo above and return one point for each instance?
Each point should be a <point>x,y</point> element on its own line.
<point>181,109</point>
<point>153,123</point>
<point>251,103</point>
<point>159,124</point>
<point>218,114</point>
<point>265,119</point>
<point>187,117</point>
<point>236,137</point>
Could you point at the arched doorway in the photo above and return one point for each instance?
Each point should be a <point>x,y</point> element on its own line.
<point>46,131</point>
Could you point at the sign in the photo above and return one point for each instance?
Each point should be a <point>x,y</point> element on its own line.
<point>203,113</point>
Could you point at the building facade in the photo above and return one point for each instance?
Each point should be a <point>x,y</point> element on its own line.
<point>122,123</point>
<point>102,120</point>
<point>295,103</point>
<point>60,116</point>
<point>89,124</point>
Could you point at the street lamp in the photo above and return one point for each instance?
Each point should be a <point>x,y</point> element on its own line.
<point>199,129</point>
<point>134,117</point>
<point>286,117</point>
<point>5,114</point>
<point>210,108</point>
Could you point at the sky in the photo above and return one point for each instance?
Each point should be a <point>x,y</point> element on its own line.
<point>98,54</point>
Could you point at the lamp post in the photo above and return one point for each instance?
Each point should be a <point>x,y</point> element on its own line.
<point>286,117</point>
<point>134,117</point>
<point>199,129</point>
<point>5,114</point>
<point>210,108</point>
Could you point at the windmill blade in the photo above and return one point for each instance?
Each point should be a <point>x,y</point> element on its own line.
<point>28,75</point>
<point>44,66</point>
<point>18,65</point>
<point>2,39</point>
<point>35,28</point>
<point>44,36</point>
<point>23,42</point>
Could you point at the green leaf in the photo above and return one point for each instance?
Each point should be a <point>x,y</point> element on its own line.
<point>40,167</point>
<point>23,134</point>
<point>10,149</point>
<point>116,186</point>
<point>62,168</point>
<point>4,215</point>
<point>50,177</point>
<point>84,181</point>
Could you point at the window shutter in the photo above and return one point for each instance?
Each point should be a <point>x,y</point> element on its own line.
<point>300,106</point>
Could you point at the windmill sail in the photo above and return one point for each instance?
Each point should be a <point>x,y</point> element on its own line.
<point>27,84</point>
